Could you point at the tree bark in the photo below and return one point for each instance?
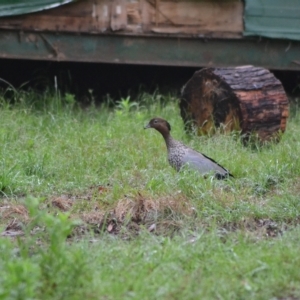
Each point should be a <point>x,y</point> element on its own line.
<point>247,99</point>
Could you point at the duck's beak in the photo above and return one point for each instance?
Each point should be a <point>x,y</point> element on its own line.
<point>147,126</point>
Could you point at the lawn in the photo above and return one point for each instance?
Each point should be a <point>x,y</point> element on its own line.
<point>91,209</point>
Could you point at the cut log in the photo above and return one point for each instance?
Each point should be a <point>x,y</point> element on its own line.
<point>247,99</point>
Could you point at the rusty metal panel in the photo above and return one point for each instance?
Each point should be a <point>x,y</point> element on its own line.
<point>19,7</point>
<point>268,53</point>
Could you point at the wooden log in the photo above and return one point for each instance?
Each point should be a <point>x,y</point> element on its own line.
<point>247,99</point>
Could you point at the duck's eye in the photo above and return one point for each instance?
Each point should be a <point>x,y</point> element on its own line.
<point>155,121</point>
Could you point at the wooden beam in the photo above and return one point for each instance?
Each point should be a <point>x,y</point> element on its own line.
<point>170,51</point>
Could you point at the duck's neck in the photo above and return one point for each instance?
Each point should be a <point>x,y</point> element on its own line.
<point>170,142</point>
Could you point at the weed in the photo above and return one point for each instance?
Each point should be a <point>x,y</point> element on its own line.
<point>43,265</point>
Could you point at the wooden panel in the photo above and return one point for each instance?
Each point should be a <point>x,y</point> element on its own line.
<point>101,15</point>
<point>118,15</point>
<point>207,15</point>
<point>134,12</point>
<point>183,18</point>
<point>82,16</point>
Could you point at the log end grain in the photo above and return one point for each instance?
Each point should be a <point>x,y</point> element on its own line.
<point>246,99</point>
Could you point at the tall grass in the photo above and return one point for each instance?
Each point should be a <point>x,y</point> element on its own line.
<point>160,234</point>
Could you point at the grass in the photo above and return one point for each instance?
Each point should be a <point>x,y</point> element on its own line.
<point>91,209</point>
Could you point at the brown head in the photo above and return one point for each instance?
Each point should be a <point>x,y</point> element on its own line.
<point>160,125</point>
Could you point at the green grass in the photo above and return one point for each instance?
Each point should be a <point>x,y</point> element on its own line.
<point>85,186</point>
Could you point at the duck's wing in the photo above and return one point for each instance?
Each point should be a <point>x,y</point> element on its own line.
<point>203,163</point>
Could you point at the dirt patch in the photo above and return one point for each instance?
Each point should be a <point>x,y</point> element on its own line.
<point>132,214</point>
<point>15,217</point>
<point>62,203</point>
<point>257,228</point>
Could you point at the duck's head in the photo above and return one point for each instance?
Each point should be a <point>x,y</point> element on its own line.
<point>160,125</point>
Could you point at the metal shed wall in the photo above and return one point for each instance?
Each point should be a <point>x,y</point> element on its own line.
<point>272,18</point>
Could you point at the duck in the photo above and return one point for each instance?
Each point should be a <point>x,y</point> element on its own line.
<point>180,155</point>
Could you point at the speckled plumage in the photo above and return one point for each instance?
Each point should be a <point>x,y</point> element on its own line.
<point>180,155</point>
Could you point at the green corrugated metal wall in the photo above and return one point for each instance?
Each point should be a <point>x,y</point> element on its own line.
<point>273,18</point>
<point>19,7</point>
